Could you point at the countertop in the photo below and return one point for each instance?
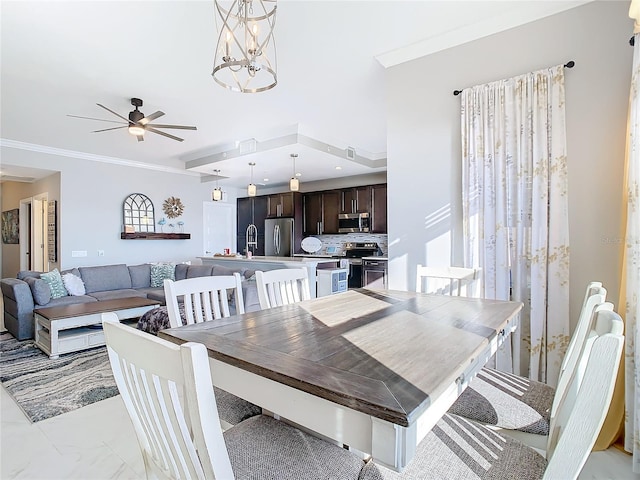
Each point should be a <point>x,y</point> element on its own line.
<point>261,259</point>
<point>339,257</point>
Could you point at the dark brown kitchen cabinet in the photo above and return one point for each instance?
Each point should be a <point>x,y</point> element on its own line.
<point>251,210</point>
<point>379,208</point>
<point>244,214</point>
<point>312,214</point>
<point>321,212</point>
<point>284,204</point>
<point>330,210</point>
<point>356,200</point>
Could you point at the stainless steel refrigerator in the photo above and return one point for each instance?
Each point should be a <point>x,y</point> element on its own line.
<point>278,237</point>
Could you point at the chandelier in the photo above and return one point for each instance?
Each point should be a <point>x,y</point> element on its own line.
<point>245,58</point>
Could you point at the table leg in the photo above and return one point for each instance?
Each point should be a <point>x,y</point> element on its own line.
<point>53,332</point>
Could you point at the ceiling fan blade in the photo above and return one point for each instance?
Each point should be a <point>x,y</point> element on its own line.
<point>91,118</point>
<point>183,127</point>
<point>149,129</point>
<point>116,114</point>
<point>140,138</point>
<point>107,129</point>
<point>150,118</point>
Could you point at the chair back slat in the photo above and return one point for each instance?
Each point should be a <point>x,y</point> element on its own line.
<point>445,280</point>
<point>204,298</point>
<point>282,287</point>
<point>574,361</point>
<point>168,394</point>
<point>158,406</point>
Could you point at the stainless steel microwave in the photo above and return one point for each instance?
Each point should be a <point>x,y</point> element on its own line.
<point>353,222</point>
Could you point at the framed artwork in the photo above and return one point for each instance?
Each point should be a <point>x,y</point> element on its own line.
<point>11,226</point>
<point>52,237</point>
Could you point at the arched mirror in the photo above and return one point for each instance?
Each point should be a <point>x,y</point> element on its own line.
<point>137,213</point>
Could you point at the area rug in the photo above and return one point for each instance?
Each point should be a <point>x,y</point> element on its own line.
<point>45,388</point>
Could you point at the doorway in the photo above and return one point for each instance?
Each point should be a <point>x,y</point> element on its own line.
<point>33,233</point>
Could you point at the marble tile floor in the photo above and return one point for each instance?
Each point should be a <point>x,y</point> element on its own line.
<point>98,442</point>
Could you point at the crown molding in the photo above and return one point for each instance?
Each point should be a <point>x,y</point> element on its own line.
<point>31,147</point>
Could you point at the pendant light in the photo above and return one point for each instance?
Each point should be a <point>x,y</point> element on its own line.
<point>216,195</point>
<point>251,189</point>
<point>294,183</point>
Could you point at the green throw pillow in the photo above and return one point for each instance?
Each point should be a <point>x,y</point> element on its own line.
<point>54,280</point>
<point>160,271</point>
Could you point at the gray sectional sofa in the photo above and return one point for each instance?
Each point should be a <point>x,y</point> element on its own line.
<point>26,292</point>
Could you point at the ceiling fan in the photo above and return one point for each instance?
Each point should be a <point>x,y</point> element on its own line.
<point>137,123</point>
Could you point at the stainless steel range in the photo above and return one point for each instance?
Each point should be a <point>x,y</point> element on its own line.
<point>354,252</point>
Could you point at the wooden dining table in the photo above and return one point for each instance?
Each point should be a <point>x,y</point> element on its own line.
<point>370,369</point>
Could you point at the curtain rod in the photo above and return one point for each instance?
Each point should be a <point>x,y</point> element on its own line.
<point>569,64</point>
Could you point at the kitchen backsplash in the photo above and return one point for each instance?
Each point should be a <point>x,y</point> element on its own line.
<point>338,241</point>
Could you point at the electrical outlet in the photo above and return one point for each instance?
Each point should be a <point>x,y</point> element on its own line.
<point>79,253</point>
<point>101,253</point>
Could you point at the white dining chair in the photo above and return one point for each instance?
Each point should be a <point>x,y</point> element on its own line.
<point>282,287</point>
<point>461,448</point>
<point>203,298</point>
<point>521,407</point>
<point>445,280</point>
<point>169,396</point>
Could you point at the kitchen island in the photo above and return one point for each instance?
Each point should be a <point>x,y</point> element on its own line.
<point>312,264</point>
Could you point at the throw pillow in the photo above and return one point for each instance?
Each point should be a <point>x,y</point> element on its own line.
<point>73,284</point>
<point>162,271</point>
<point>39,289</point>
<point>54,280</point>
<point>24,274</point>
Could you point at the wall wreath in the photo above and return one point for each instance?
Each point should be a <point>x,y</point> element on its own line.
<point>173,207</point>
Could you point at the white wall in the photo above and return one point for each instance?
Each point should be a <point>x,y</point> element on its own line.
<point>90,209</point>
<point>424,138</point>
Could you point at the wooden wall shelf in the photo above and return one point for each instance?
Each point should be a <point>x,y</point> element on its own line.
<point>154,236</point>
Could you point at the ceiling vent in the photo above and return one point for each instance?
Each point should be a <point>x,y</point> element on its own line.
<point>248,146</point>
<point>351,153</point>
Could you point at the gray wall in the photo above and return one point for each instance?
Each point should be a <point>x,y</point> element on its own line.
<point>90,197</point>
<point>424,138</point>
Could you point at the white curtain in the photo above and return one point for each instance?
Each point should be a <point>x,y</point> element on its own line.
<point>632,267</point>
<point>515,211</point>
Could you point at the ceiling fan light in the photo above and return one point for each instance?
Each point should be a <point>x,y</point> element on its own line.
<point>136,130</point>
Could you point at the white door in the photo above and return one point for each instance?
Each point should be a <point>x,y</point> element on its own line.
<point>39,243</point>
<point>33,233</point>
<point>219,227</point>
